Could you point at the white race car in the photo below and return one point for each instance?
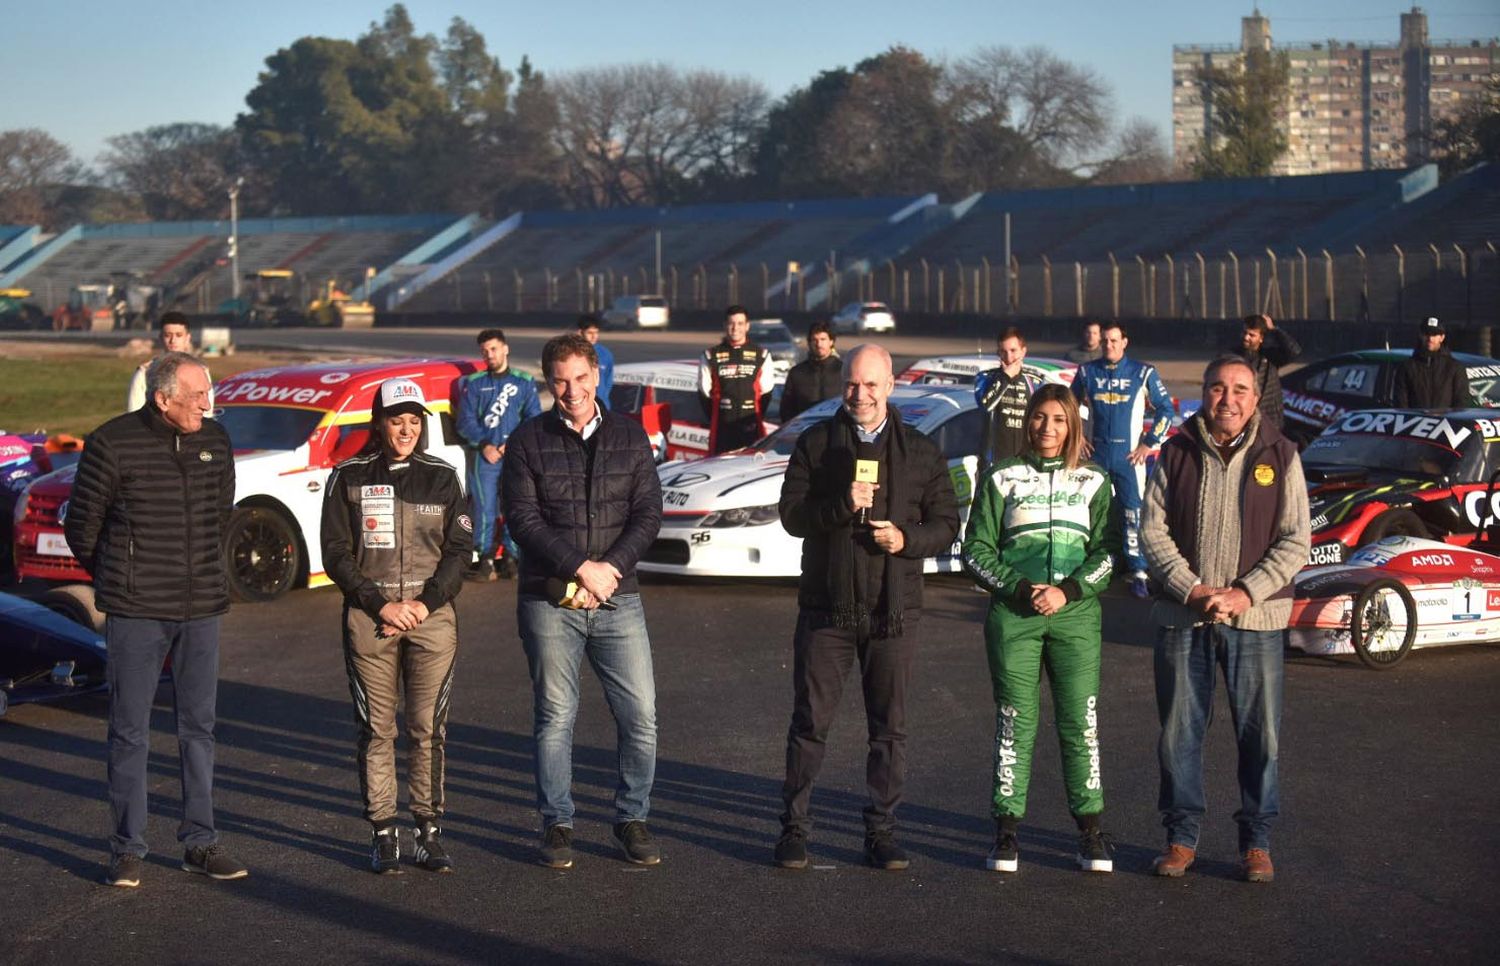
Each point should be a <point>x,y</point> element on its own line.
<point>1394,595</point>
<point>719,514</point>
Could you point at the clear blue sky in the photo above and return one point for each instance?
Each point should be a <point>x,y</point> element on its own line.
<point>84,70</point>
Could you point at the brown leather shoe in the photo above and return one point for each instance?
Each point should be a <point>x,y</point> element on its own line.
<point>1255,866</point>
<point>1174,861</point>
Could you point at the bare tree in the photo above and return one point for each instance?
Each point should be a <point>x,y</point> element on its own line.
<point>1137,156</point>
<point>1060,110</point>
<point>641,133</point>
<point>31,163</point>
<point>179,171</point>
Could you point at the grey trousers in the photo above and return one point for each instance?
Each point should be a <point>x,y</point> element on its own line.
<point>137,648</point>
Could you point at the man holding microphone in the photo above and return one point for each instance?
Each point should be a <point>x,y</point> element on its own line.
<point>871,499</point>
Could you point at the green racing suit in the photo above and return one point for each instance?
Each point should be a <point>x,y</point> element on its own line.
<point>1036,522</point>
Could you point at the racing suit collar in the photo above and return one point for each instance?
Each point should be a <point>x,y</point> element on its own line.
<point>1045,464</point>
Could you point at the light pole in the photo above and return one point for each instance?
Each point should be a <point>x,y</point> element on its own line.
<point>234,238</point>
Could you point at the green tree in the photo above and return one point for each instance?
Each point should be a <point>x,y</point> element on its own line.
<point>1247,107</point>
<point>785,159</point>
<point>1471,135</point>
<point>342,128</point>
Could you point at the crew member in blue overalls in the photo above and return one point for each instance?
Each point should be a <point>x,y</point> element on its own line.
<point>491,404</point>
<point>1118,392</point>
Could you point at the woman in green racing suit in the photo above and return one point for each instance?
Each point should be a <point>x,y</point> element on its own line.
<point>1043,542</point>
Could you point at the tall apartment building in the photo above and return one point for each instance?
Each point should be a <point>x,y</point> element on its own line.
<point>1350,105</point>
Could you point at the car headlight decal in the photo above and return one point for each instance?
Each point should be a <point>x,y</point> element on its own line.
<point>745,516</point>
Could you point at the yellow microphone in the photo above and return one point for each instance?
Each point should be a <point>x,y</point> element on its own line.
<point>866,471</point>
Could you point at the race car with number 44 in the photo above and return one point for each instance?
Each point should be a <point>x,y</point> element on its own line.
<point>1393,472</point>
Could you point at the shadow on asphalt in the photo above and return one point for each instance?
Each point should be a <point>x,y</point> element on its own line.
<point>278,736</point>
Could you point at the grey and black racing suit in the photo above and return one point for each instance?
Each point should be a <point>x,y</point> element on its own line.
<point>393,531</point>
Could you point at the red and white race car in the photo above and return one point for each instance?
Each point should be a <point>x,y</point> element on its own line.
<point>663,397</point>
<point>1394,595</point>
<point>290,426</point>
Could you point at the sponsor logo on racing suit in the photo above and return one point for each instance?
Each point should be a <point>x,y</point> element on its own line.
<point>1005,755</point>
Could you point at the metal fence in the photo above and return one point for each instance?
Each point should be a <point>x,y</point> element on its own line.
<point>1458,284</point>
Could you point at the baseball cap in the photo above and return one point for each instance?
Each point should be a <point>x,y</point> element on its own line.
<point>1433,326</point>
<point>402,393</point>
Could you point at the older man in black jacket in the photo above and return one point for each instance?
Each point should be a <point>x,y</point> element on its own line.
<point>146,519</point>
<point>871,499</point>
<point>583,502</point>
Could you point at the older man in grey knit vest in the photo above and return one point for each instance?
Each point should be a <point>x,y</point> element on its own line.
<point>1224,530</point>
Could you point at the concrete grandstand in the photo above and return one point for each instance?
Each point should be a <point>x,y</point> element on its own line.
<point>921,254</point>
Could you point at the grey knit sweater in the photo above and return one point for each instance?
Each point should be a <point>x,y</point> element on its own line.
<point>1219,540</point>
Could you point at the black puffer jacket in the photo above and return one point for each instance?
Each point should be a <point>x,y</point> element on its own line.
<point>567,500</point>
<point>1432,380</point>
<point>147,517</point>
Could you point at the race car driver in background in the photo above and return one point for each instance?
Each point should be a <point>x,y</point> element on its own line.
<point>1003,393</point>
<point>735,381</point>
<point>1119,392</point>
<point>491,404</point>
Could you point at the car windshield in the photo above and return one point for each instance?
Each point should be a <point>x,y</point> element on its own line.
<point>770,332</point>
<point>268,427</point>
<point>784,440</point>
<point>1394,456</point>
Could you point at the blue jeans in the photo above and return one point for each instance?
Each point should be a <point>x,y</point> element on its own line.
<point>1253,673</point>
<point>137,648</point>
<point>556,640</point>
<point>484,505</point>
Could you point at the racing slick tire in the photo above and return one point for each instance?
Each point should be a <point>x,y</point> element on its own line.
<point>262,554</point>
<point>1394,522</point>
<point>76,603</point>
<point>1378,638</point>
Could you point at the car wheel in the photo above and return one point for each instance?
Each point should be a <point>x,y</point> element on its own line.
<point>261,554</point>
<point>76,603</point>
<point>1383,625</point>
<point>1394,523</point>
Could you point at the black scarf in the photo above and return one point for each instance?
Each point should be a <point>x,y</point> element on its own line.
<point>848,564</point>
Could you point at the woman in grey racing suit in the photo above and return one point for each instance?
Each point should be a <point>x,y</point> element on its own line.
<point>396,538</point>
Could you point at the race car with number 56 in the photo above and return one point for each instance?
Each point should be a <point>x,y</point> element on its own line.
<point>1392,472</point>
<point>719,515</point>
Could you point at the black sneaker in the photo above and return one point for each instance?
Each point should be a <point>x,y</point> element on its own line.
<point>882,852</point>
<point>124,871</point>
<point>1005,856</point>
<point>429,852</point>
<point>640,848</point>
<point>791,849</point>
<point>385,850</point>
<point>557,847</point>
<point>1094,851</point>
<point>505,568</point>
<point>213,861</point>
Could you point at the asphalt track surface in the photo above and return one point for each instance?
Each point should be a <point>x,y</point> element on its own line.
<point>1386,851</point>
